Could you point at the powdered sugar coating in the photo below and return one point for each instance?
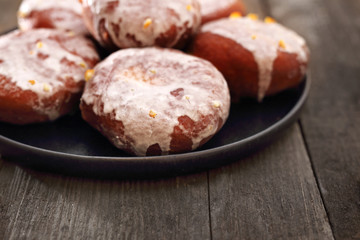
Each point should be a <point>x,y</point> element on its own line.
<point>211,6</point>
<point>45,61</point>
<point>262,39</point>
<point>62,14</point>
<point>149,90</point>
<point>138,23</point>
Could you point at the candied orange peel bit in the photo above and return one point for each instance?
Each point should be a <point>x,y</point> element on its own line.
<point>147,23</point>
<point>21,14</point>
<point>32,82</point>
<point>253,16</point>
<point>70,33</point>
<point>269,20</point>
<point>189,7</point>
<point>39,44</point>
<point>235,15</point>
<point>253,37</point>
<point>216,104</point>
<point>83,65</point>
<point>152,114</point>
<point>282,44</point>
<point>153,71</point>
<point>46,87</point>
<point>89,74</point>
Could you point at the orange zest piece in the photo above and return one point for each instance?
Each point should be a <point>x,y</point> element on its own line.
<point>21,14</point>
<point>282,44</point>
<point>89,74</point>
<point>189,7</point>
<point>39,44</point>
<point>234,15</point>
<point>46,87</point>
<point>147,23</point>
<point>152,114</point>
<point>253,37</point>
<point>83,65</point>
<point>32,82</point>
<point>216,104</point>
<point>253,16</point>
<point>269,20</point>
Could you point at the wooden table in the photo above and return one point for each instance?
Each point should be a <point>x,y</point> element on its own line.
<point>304,186</point>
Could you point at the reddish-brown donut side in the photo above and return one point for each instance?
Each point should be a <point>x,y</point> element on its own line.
<point>257,58</point>
<point>240,69</point>
<point>155,101</point>
<point>42,74</point>
<point>181,140</point>
<point>235,6</point>
<point>17,106</point>
<point>107,126</point>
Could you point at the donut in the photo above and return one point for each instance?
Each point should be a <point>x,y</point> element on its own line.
<point>153,101</point>
<point>214,9</point>
<point>257,58</point>
<point>58,14</point>
<point>137,23</point>
<point>42,74</point>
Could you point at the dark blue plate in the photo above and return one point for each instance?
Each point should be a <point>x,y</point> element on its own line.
<point>70,146</point>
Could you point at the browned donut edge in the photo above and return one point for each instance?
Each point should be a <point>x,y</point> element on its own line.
<point>114,131</point>
<point>237,6</point>
<point>240,69</point>
<point>17,107</point>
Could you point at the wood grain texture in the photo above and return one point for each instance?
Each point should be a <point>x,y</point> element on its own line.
<point>331,120</point>
<point>272,195</point>
<point>41,206</point>
<point>8,14</point>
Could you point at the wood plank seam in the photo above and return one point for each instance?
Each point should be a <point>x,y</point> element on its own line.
<point>315,175</point>
<point>209,206</point>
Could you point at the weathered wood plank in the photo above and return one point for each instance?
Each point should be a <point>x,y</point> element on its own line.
<point>8,15</point>
<point>272,195</point>
<point>41,206</point>
<point>332,116</point>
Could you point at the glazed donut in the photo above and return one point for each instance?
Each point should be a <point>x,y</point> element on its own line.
<point>138,23</point>
<point>257,58</point>
<point>42,74</point>
<point>152,101</point>
<point>215,9</point>
<point>59,14</point>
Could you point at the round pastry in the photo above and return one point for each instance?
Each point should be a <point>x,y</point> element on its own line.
<point>152,101</point>
<point>59,14</point>
<point>42,74</point>
<point>214,9</point>
<point>139,23</point>
<point>257,58</point>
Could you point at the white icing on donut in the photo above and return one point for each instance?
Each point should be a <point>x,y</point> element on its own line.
<point>138,95</point>
<point>129,16</point>
<point>32,61</point>
<point>66,14</point>
<point>211,6</point>
<point>264,46</point>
